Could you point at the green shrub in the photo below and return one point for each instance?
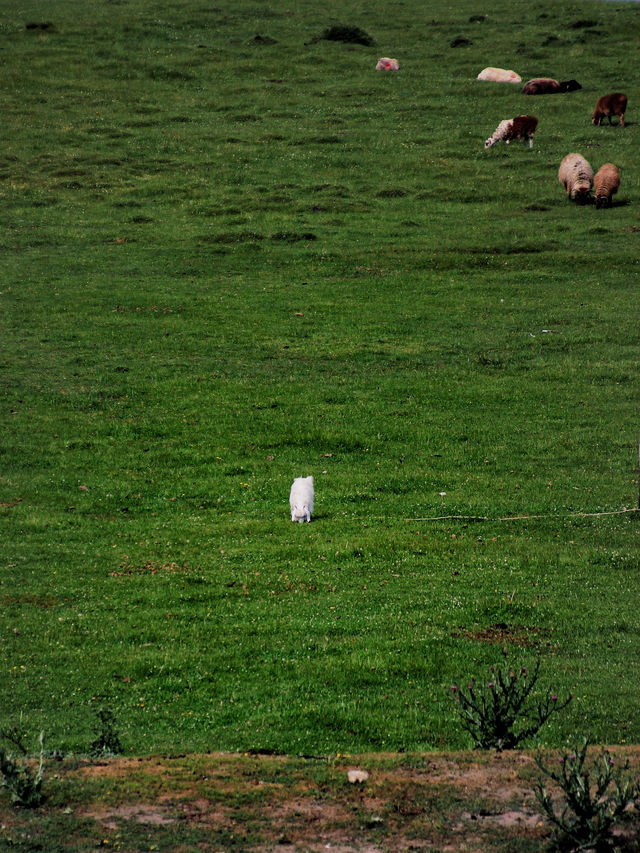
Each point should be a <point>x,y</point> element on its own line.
<point>502,714</point>
<point>594,799</point>
<point>23,783</point>
<point>107,740</point>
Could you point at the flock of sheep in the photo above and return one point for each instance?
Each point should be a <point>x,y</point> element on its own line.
<point>575,173</point>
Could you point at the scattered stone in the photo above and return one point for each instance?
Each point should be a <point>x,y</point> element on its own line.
<point>461,41</point>
<point>357,776</point>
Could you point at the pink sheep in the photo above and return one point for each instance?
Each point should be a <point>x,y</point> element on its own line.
<point>386,64</point>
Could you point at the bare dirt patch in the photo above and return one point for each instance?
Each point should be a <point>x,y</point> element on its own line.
<point>501,633</point>
<point>467,801</point>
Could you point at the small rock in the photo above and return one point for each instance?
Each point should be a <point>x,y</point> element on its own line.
<point>355,776</point>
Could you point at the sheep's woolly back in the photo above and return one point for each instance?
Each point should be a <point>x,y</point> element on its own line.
<point>499,75</point>
<point>606,183</point>
<point>541,86</point>
<point>499,133</point>
<point>576,176</point>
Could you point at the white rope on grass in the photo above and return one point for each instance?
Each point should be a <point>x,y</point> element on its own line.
<point>523,517</point>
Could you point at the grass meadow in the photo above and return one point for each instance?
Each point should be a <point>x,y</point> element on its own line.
<point>226,263</point>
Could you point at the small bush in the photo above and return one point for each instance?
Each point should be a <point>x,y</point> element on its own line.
<point>107,741</point>
<point>502,714</point>
<point>24,784</point>
<point>594,799</point>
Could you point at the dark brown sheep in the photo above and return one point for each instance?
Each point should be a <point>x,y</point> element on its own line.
<point>569,86</point>
<point>522,127</point>
<point>614,104</point>
<point>541,86</point>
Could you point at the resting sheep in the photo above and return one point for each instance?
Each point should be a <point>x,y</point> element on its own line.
<point>576,176</point>
<point>549,86</point>
<point>606,183</point>
<point>520,127</point>
<point>610,105</point>
<point>541,86</point>
<point>387,64</point>
<point>499,75</point>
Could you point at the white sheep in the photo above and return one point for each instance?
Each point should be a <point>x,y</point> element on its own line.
<point>576,176</point>
<point>499,133</point>
<point>301,499</point>
<point>499,75</point>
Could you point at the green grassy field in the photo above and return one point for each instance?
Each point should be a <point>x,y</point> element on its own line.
<point>226,264</point>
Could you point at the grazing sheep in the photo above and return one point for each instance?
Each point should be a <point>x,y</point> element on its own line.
<point>576,176</point>
<point>301,499</point>
<point>610,105</point>
<point>541,86</point>
<point>499,75</point>
<point>520,127</point>
<point>386,64</point>
<point>606,183</point>
<point>499,133</point>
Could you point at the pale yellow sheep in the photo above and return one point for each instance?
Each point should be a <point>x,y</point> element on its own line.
<point>576,176</point>
<point>606,183</point>
<point>499,75</point>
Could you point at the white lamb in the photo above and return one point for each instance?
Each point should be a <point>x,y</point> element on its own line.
<point>499,75</point>
<point>301,499</point>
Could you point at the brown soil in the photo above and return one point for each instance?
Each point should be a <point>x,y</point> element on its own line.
<point>471,801</point>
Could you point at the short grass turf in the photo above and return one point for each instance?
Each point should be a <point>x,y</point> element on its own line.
<point>226,263</point>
